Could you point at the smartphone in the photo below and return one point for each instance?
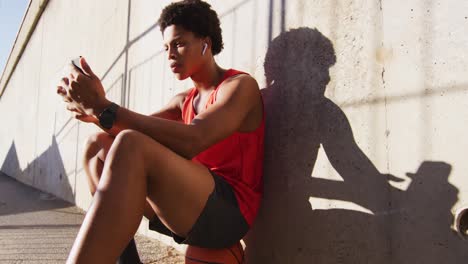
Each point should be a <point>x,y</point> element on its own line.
<point>76,63</point>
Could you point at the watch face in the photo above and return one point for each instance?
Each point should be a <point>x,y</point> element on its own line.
<point>106,119</point>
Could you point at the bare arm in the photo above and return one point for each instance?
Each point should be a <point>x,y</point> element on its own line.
<point>171,111</point>
<point>235,99</point>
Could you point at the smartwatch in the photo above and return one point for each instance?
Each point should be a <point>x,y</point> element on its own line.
<point>107,117</point>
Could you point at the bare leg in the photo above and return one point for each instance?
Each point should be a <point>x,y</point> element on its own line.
<point>138,167</point>
<point>93,163</point>
<point>95,154</point>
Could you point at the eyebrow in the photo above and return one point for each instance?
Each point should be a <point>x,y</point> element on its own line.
<point>173,40</point>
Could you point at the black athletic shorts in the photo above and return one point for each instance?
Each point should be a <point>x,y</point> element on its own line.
<point>220,223</point>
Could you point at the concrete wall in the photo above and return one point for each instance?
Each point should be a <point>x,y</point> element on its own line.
<point>366,108</point>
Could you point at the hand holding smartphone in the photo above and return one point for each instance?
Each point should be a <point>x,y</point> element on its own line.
<point>77,64</point>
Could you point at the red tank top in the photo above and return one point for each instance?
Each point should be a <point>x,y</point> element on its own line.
<point>238,158</point>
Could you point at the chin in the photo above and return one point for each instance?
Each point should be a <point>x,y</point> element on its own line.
<point>181,76</point>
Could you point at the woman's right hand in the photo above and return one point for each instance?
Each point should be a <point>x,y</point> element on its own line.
<point>71,105</point>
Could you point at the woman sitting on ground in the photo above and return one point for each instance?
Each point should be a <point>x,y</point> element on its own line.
<point>194,168</point>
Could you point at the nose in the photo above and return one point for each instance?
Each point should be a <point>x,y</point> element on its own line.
<point>171,53</point>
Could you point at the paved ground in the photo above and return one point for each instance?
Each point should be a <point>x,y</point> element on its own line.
<point>35,227</point>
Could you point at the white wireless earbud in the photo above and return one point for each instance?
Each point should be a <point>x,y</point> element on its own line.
<point>204,48</point>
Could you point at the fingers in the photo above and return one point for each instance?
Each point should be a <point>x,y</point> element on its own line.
<point>64,82</point>
<point>75,111</point>
<point>68,86</point>
<point>85,118</point>
<point>76,74</point>
<point>73,91</point>
<point>78,115</point>
<point>74,85</point>
<point>72,88</point>
<point>86,68</point>
<point>67,99</point>
<point>61,91</point>
<point>63,86</point>
<point>71,108</point>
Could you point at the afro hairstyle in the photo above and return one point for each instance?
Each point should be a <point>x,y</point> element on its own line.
<point>195,16</point>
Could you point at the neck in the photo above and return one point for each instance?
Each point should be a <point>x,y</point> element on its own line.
<point>208,76</point>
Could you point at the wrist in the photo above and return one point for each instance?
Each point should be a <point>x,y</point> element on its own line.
<point>108,115</point>
<point>100,107</point>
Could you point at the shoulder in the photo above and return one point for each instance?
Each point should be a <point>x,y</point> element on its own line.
<point>241,83</point>
<point>241,78</point>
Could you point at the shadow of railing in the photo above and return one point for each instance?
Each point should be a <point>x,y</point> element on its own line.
<point>383,223</point>
<point>46,172</point>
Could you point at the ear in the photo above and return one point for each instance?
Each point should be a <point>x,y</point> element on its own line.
<point>205,45</point>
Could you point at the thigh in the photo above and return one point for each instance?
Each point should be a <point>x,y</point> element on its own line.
<point>220,225</point>
<point>177,188</point>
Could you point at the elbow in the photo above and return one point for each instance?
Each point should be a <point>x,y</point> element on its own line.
<point>195,144</point>
<point>190,152</point>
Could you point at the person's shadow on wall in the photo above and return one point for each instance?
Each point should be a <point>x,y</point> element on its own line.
<point>411,226</point>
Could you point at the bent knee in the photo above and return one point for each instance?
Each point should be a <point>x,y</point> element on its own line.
<point>128,139</point>
<point>128,135</point>
<point>131,142</point>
